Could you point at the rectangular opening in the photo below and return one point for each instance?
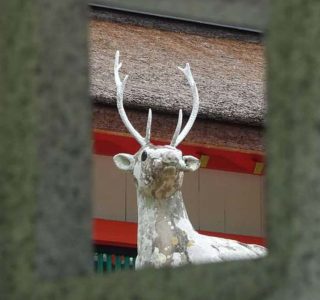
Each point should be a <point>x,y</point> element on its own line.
<point>224,197</point>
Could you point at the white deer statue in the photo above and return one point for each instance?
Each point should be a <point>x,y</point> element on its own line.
<point>165,234</point>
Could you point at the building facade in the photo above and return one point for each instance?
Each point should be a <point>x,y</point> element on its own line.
<point>225,196</point>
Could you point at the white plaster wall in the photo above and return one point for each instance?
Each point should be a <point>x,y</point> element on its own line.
<point>242,203</point>
<point>131,199</point>
<point>211,200</point>
<point>190,192</point>
<point>109,193</point>
<point>215,200</point>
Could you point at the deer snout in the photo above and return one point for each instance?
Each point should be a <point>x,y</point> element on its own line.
<point>170,158</point>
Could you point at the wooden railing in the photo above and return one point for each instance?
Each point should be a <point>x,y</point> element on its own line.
<point>111,259</point>
<point>106,263</point>
<point>116,244</point>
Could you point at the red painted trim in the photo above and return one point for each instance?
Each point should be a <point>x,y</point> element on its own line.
<point>124,234</point>
<point>114,233</point>
<point>109,144</point>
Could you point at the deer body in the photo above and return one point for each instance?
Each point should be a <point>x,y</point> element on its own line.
<point>160,208</point>
<point>165,234</point>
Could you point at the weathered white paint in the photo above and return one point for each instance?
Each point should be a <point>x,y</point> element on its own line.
<point>165,234</point>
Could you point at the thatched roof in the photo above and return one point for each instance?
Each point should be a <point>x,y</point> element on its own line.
<point>229,72</point>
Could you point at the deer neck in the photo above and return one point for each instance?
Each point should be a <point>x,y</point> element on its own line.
<point>162,229</point>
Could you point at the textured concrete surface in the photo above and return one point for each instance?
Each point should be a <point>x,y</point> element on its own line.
<point>229,73</point>
<point>18,126</point>
<point>45,129</point>
<point>293,143</point>
<point>63,154</point>
<point>250,14</point>
<point>291,271</point>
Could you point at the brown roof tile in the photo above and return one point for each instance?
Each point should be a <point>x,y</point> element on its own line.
<point>229,73</point>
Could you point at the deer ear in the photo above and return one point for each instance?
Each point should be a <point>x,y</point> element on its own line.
<point>124,161</point>
<point>192,163</point>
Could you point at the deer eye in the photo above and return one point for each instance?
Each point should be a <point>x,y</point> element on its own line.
<point>144,156</point>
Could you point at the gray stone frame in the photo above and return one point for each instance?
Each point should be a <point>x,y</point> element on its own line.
<point>248,14</point>
<point>45,166</point>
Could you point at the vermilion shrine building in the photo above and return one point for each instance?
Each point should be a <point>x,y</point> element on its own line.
<point>225,196</point>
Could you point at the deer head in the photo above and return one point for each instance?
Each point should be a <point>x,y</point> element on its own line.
<point>157,170</point>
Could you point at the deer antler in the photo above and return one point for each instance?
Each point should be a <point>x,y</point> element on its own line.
<point>120,89</point>
<point>178,138</point>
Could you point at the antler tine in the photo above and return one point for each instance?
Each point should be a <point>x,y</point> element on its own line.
<point>120,89</point>
<point>178,128</point>
<point>148,130</point>
<point>195,107</point>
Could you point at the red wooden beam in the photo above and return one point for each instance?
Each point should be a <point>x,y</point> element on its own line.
<point>124,234</point>
<point>111,143</point>
<point>114,233</point>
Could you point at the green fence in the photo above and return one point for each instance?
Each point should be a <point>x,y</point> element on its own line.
<point>106,262</point>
